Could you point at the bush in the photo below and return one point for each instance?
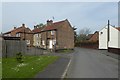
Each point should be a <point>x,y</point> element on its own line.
<point>19,57</point>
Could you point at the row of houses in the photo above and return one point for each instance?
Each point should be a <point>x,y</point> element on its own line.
<point>53,35</point>
<point>60,35</point>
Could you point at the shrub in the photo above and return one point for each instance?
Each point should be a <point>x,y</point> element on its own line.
<point>19,57</point>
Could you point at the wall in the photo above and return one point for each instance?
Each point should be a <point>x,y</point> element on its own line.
<point>11,47</point>
<point>113,43</point>
<point>37,40</point>
<point>119,39</point>
<point>103,38</point>
<point>65,37</point>
<point>95,37</point>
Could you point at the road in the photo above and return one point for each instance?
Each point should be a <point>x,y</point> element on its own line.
<point>88,63</point>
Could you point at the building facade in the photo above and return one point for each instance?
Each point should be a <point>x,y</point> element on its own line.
<point>23,32</point>
<point>109,39</point>
<point>57,35</point>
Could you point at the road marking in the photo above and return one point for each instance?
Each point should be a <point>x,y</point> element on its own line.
<point>63,76</point>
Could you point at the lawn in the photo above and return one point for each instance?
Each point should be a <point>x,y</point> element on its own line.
<point>0,68</point>
<point>28,69</point>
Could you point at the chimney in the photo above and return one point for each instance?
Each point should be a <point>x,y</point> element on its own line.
<point>49,22</point>
<point>23,25</point>
<point>14,27</point>
<point>35,27</point>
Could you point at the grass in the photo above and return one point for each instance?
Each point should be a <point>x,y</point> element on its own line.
<point>30,67</point>
<point>0,68</point>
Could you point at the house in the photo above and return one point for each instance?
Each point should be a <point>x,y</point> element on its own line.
<point>89,36</point>
<point>94,37</point>
<point>109,38</point>
<point>56,35</point>
<point>37,37</point>
<point>23,32</point>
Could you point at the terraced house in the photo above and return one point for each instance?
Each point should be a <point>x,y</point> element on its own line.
<point>23,32</point>
<point>55,35</point>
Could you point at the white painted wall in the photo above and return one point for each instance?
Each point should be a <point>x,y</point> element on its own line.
<point>37,40</point>
<point>119,39</point>
<point>113,43</point>
<point>114,36</point>
<point>103,38</point>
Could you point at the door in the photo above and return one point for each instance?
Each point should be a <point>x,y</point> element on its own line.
<point>50,44</point>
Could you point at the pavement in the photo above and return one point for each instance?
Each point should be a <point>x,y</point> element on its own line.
<point>89,63</point>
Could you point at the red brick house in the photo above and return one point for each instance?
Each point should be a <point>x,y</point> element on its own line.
<point>94,37</point>
<point>57,35</point>
<point>23,32</point>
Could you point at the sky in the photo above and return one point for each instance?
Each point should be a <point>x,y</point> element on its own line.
<point>93,15</point>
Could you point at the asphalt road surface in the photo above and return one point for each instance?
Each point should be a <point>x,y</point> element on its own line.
<point>88,63</point>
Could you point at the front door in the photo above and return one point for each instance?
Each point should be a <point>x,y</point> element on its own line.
<point>50,44</point>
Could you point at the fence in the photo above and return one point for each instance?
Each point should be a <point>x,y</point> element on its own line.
<point>93,45</point>
<point>34,51</point>
<point>0,48</point>
<point>11,47</point>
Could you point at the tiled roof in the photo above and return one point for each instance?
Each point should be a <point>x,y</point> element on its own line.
<point>53,26</point>
<point>23,31</point>
<point>16,30</point>
<point>36,30</point>
<point>118,28</point>
<point>89,36</point>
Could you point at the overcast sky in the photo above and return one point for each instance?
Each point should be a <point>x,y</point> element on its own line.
<point>93,15</point>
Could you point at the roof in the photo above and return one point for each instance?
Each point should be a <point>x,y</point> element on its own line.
<point>89,36</point>
<point>17,29</point>
<point>118,28</point>
<point>36,30</point>
<point>23,31</point>
<point>53,26</point>
<point>10,38</point>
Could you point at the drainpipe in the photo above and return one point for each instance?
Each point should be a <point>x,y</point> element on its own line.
<point>108,34</point>
<point>46,39</point>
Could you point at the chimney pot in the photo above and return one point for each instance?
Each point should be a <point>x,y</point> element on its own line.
<point>49,22</point>
<point>23,24</point>
<point>14,27</point>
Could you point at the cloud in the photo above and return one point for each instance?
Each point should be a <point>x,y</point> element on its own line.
<point>80,14</point>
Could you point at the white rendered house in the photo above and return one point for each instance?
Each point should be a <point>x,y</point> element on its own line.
<point>109,39</point>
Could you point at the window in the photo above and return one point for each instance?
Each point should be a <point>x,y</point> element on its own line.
<point>7,34</point>
<point>28,41</point>
<point>101,32</point>
<point>40,35</point>
<point>52,32</point>
<point>18,35</point>
<point>54,41</point>
<point>37,35</point>
<point>43,42</point>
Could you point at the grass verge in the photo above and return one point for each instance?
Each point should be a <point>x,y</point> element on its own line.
<point>28,69</point>
<point>0,68</point>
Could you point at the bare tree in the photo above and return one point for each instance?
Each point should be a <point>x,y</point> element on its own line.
<point>82,35</point>
<point>84,31</point>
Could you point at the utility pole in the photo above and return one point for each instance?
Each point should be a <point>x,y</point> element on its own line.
<point>108,34</point>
